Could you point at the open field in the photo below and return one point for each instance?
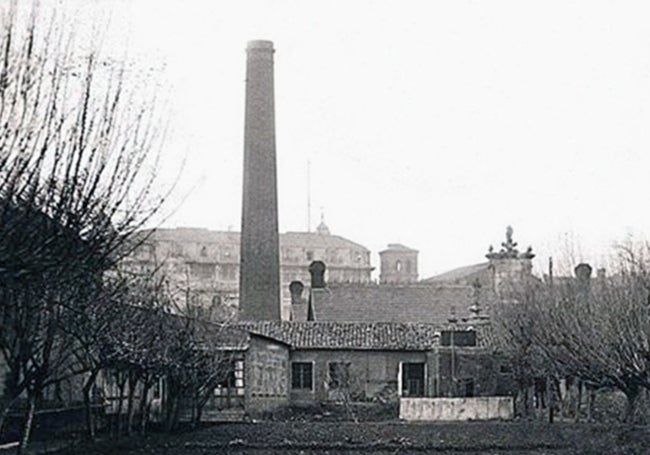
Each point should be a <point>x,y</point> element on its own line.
<point>274,438</point>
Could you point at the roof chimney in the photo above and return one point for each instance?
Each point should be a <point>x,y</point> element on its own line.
<point>583,275</point>
<point>317,271</point>
<point>296,288</point>
<point>259,282</point>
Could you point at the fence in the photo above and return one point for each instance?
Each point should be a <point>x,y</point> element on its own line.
<point>479,408</point>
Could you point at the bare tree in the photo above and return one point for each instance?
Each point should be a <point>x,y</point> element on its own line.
<point>597,331</point>
<point>77,165</point>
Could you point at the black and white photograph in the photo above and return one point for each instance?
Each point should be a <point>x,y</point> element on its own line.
<point>313,227</point>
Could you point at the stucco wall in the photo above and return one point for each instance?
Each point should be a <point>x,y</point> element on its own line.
<point>266,374</point>
<point>372,373</point>
<point>476,364</point>
<point>482,408</point>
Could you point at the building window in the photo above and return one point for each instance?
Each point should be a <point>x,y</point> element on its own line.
<point>398,266</point>
<point>505,369</point>
<point>310,255</point>
<point>465,338</point>
<point>204,251</point>
<point>228,272</point>
<point>467,387</point>
<point>144,251</point>
<point>302,375</point>
<point>233,380</point>
<point>413,379</point>
<point>202,271</point>
<point>339,375</point>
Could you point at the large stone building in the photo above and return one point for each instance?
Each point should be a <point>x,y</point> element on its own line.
<point>201,266</point>
<point>464,293</point>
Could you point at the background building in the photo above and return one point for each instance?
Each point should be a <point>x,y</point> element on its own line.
<point>399,264</point>
<point>201,266</point>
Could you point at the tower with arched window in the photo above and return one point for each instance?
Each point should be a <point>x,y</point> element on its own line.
<point>399,264</point>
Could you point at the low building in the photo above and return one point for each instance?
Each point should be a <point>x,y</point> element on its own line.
<point>299,363</point>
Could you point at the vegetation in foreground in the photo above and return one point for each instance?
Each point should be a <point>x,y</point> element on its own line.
<point>385,437</point>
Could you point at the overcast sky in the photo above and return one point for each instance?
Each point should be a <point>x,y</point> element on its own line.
<point>432,124</point>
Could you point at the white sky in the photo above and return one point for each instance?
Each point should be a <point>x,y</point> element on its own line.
<point>430,123</point>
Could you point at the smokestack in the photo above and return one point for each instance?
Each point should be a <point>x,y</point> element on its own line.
<point>259,280</point>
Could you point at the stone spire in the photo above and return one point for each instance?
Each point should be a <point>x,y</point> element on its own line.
<point>509,249</point>
<point>259,281</point>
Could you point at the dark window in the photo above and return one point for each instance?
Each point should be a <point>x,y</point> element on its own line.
<point>228,272</point>
<point>232,382</point>
<point>301,375</point>
<point>459,338</point>
<point>339,375</point>
<point>467,387</point>
<point>505,369</point>
<point>202,271</point>
<point>310,255</point>
<point>413,379</point>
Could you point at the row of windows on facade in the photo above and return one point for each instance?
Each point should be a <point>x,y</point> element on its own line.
<point>289,254</point>
<point>302,377</point>
<point>231,273</point>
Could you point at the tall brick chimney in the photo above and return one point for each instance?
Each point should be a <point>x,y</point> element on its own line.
<point>259,280</point>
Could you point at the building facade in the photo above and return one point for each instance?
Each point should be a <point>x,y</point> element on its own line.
<point>303,363</point>
<point>201,266</point>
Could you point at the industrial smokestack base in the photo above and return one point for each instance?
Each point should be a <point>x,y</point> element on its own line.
<point>259,280</point>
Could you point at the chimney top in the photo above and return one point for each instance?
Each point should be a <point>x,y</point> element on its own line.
<point>317,271</point>
<point>260,44</point>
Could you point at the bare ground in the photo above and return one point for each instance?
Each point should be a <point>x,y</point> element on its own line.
<point>312,438</point>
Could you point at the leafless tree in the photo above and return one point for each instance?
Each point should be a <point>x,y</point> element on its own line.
<point>597,331</point>
<point>77,161</point>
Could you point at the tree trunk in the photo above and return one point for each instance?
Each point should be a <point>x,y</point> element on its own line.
<point>576,417</point>
<point>170,408</point>
<point>177,412</point>
<point>144,405</point>
<point>4,410</point>
<point>27,426</point>
<point>120,405</point>
<point>631,393</point>
<point>133,383</point>
<point>87,393</point>
<point>549,400</point>
<point>590,405</point>
<point>523,404</point>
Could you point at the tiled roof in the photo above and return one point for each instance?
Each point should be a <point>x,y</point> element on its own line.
<point>316,240</point>
<point>297,239</point>
<point>198,235</point>
<point>431,304</point>
<point>348,335</point>
<point>461,273</point>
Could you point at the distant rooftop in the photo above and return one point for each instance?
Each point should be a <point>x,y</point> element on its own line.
<point>397,247</point>
<point>348,335</point>
<point>300,239</point>
<point>426,303</point>
<point>459,273</point>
